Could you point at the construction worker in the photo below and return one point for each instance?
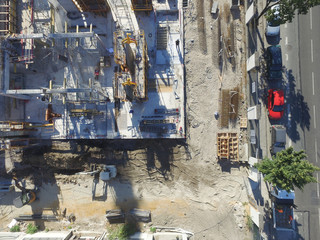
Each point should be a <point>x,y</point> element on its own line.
<point>177,43</point>
<point>280,210</point>
<point>96,73</point>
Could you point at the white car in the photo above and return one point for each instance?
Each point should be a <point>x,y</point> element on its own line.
<point>273,27</point>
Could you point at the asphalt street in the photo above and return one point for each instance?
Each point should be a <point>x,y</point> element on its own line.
<point>300,43</point>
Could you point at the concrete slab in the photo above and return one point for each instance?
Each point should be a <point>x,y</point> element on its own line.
<point>71,63</point>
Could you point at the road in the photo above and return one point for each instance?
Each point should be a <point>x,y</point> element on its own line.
<point>301,56</point>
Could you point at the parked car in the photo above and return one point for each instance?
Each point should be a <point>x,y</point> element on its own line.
<point>282,203</point>
<point>278,139</point>
<point>274,62</point>
<point>273,26</point>
<point>275,103</point>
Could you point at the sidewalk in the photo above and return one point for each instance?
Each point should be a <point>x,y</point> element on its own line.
<point>258,128</point>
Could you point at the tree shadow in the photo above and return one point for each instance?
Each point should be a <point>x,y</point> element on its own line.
<point>252,38</point>
<point>260,38</point>
<point>297,109</point>
<point>268,222</point>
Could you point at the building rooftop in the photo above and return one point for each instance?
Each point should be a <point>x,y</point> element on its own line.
<point>61,78</point>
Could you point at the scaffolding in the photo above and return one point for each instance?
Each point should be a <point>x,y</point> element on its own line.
<point>98,7</point>
<point>141,5</point>
<point>80,41</point>
<point>8,17</point>
<point>123,15</point>
<point>16,143</point>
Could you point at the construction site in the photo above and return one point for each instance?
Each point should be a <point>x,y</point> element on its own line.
<point>72,71</point>
<point>118,111</point>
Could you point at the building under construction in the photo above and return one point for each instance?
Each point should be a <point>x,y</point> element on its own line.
<point>91,69</point>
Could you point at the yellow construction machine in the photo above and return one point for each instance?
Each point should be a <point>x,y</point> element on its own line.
<point>27,196</point>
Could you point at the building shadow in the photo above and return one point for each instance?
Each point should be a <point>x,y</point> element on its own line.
<point>47,192</point>
<point>228,164</point>
<point>157,155</point>
<point>235,12</point>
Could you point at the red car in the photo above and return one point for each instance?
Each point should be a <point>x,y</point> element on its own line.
<point>275,103</point>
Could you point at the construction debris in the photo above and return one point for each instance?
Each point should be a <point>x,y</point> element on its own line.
<point>115,216</point>
<point>141,215</point>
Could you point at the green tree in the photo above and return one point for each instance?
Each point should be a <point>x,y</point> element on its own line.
<point>288,8</point>
<point>288,169</point>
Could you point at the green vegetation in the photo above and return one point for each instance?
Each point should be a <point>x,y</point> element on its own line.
<point>121,232</point>
<point>288,169</point>
<point>153,229</point>
<point>31,229</point>
<point>249,222</point>
<point>15,228</point>
<point>288,8</point>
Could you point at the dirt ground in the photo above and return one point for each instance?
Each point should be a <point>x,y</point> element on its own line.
<point>180,182</point>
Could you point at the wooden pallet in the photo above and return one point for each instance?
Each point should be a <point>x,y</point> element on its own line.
<point>243,122</point>
<point>228,146</point>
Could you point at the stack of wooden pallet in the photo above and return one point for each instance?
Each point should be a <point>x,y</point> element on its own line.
<point>228,146</point>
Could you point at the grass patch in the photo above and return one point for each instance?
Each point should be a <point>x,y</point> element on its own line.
<point>153,229</point>
<point>31,229</point>
<point>249,222</point>
<point>121,232</point>
<point>15,228</point>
